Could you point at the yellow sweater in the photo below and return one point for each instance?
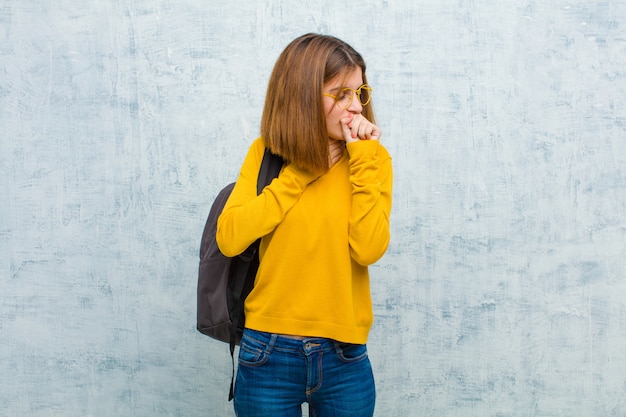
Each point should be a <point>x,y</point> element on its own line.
<point>319,236</point>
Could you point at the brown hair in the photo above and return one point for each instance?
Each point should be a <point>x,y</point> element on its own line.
<point>293,124</point>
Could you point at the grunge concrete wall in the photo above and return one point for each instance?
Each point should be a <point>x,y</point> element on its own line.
<point>503,290</point>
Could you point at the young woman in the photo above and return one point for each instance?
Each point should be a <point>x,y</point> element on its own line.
<point>322,222</point>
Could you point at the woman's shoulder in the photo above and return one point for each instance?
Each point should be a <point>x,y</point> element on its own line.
<point>255,151</point>
<point>259,143</point>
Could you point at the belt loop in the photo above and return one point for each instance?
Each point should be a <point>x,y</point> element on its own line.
<point>272,342</point>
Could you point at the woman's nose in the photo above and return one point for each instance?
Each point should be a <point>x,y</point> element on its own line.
<point>356,106</point>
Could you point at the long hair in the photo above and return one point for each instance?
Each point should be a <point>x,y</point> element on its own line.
<point>293,123</point>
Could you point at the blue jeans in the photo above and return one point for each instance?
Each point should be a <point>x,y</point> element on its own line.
<point>277,374</point>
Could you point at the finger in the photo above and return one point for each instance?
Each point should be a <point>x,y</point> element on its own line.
<point>346,129</point>
<point>368,130</point>
<point>359,124</point>
<point>351,128</point>
<point>375,135</point>
<point>365,129</point>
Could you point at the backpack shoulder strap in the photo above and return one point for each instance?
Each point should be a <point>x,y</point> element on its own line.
<point>270,168</point>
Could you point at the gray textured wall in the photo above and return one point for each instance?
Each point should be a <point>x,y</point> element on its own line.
<point>503,290</point>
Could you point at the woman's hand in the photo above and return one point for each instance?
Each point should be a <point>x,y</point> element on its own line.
<point>356,127</point>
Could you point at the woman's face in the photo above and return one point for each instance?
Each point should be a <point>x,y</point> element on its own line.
<point>334,113</point>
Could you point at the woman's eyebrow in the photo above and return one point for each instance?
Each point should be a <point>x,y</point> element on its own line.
<point>336,89</point>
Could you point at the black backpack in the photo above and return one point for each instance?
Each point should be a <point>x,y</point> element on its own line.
<point>223,282</point>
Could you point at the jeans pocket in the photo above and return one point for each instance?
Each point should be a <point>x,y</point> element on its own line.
<point>252,352</point>
<point>351,353</point>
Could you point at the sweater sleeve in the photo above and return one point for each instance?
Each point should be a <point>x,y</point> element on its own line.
<point>371,177</point>
<point>248,216</point>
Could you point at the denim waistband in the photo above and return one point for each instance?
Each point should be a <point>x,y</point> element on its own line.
<point>277,341</point>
